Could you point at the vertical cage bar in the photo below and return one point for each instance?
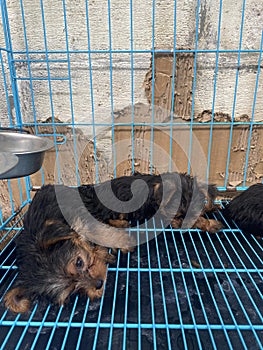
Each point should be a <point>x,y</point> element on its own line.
<point>10,332</point>
<point>71,94</point>
<point>10,57</point>
<point>235,92</point>
<point>69,323</point>
<point>214,91</point>
<point>139,286</point>
<point>194,87</point>
<point>91,93</point>
<point>175,289</point>
<point>78,345</point>
<point>187,293</point>
<point>50,90</point>
<point>54,328</point>
<point>173,92</point>
<point>114,301</point>
<point>132,84</point>
<point>111,92</point>
<point>28,65</point>
<point>9,111</point>
<point>211,293</point>
<point>98,324</point>
<point>253,110</point>
<point>126,303</point>
<point>222,293</point>
<point>153,87</point>
<point>40,328</point>
<point>22,336</point>
<point>162,291</point>
<point>151,289</point>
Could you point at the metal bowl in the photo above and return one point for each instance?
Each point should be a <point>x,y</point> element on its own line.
<point>29,149</point>
<point>7,161</point>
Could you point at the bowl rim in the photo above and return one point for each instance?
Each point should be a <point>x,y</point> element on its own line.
<point>44,148</point>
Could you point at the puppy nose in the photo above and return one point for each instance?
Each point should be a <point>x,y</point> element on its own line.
<point>99,284</point>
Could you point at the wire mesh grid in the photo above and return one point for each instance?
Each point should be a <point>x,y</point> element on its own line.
<point>190,290</point>
<point>180,290</point>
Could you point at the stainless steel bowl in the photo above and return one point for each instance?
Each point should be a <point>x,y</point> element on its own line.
<point>29,149</point>
<point>7,161</point>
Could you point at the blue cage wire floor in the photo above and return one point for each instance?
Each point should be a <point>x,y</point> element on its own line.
<point>181,290</point>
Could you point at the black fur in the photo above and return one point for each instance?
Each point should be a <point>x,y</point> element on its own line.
<point>246,210</point>
<point>57,231</point>
<point>41,269</point>
<point>182,187</point>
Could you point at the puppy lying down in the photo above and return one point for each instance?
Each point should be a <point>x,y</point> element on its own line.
<point>63,248</point>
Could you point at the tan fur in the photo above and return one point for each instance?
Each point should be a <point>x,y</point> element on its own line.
<point>15,302</point>
<point>209,225</point>
<point>176,223</point>
<point>47,244</point>
<point>103,235</point>
<point>119,223</point>
<point>64,296</point>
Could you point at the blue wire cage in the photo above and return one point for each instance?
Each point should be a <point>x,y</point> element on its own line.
<point>69,70</point>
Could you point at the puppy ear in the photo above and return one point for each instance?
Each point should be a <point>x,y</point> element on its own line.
<point>16,301</point>
<point>54,231</point>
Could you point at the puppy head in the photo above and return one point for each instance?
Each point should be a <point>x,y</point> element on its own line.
<point>56,263</point>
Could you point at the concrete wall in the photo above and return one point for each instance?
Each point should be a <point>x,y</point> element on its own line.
<point>107,97</point>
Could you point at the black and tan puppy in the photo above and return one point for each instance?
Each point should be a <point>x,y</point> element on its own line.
<point>246,210</point>
<point>62,248</point>
<point>57,254</point>
<point>175,198</point>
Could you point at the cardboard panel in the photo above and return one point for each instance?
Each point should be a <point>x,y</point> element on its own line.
<point>214,153</point>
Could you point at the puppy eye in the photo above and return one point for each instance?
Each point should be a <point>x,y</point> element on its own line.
<point>79,263</point>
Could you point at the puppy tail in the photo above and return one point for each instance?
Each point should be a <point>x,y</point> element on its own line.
<point>103,235</point>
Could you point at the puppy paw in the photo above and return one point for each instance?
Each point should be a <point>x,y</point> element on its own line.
<point>209,225</point>
<point>176,223</point>
<point>94,293</point>
<point>214,226</point>
<point>123,250</point>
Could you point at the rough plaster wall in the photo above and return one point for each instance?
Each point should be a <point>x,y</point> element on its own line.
<point>227,64</point>
<point>108,97</point>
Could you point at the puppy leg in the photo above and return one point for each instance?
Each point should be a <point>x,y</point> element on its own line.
<point>119,223</point>
<point>103,235</point>
<point>176,223</point>
<point>211,194</point>
<point>211,207</point>
<point>122,222</point>
<point>208,225</point>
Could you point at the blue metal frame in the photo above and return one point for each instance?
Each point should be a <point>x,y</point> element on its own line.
<point>219,296</point>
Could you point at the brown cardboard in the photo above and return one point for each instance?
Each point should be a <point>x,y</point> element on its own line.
<point>164,70</point>
<point>219,140</point>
